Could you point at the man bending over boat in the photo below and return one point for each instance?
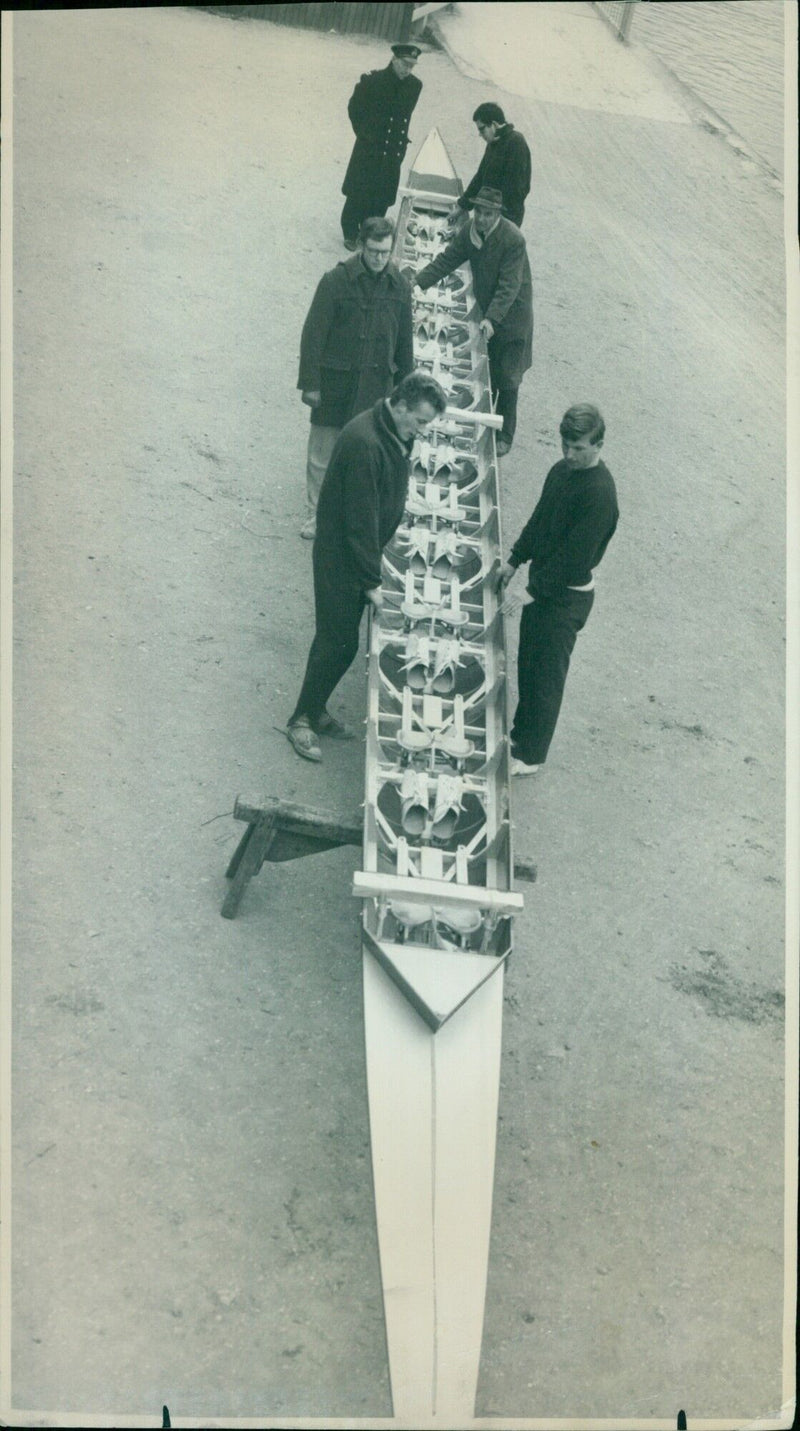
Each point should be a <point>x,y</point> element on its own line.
<point>501,278</point>
<point>506,164</point>
<point>360,506</point>
<point>573,522</point>
<point>357,343</point>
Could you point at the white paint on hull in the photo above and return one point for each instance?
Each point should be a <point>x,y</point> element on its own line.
<point>433,1117</point>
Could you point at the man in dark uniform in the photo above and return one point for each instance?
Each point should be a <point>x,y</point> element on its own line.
<point>501,277</point>
<point>360,506</point>
<point>572,524</point>
<point>380,109</point>
<point>506,164</point>
<point>357,344</point>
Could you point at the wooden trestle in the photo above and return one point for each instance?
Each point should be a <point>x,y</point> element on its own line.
<point>437,878</point>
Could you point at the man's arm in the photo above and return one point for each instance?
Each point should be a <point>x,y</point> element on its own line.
<point>358,105</point>
<point>451,258</point>
<point>518,175</point>
<point>404,347</point>
<point>360,514</point>
<point>509,279</point>
<point>465,202</point>
<point>315,334</point>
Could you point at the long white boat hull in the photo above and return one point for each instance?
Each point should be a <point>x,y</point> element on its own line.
<point>433,1118</point>
<point>436,884</point>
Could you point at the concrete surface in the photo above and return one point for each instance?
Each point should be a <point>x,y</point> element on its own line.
<point>193,1218</point>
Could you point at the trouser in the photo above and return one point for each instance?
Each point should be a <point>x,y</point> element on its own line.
<point>505,404</point>
<point>504,364</point>
<point>547,634</point>
<point>357,207</point>
<point>338,612</point>
<point>321,442</point>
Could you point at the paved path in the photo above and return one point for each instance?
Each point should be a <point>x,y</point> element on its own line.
<point>193,1219</point>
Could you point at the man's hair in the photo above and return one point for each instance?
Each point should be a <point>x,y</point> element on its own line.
<point>416,388</point>
<point>376,229</point>
<point>583,420</point>
<point>489,113</point>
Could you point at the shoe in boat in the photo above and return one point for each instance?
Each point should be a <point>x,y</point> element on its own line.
<point>414,801</point>
<point>447,807</point>
<point>417,661</point>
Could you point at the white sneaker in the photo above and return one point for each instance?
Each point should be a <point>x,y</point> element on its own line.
<point>518,767</point>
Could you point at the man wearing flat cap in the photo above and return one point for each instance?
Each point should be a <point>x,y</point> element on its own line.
<point>380,109</point>
<point>501,278</point>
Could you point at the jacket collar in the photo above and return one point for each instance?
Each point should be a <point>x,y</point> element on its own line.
<point>384,420</point>
<point>475,237</point>
<point>354,268</point>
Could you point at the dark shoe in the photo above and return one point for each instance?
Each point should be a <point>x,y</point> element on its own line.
<point>304,739</point>
<point>351,244</point>
<point>503,446</point>
<point>336,729</point>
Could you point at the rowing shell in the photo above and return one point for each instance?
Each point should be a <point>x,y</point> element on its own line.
<point>436,884</point>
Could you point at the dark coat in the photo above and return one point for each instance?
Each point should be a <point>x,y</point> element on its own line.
<point>357,341</point>
<point>380,109</point>
<point>506,165</point>
<point>361,502</point>
<point>501,278</point>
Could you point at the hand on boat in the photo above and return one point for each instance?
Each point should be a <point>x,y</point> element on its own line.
<point>487,328</point>
<point>311,399</point>
<point>513,603</point>
<point>504,575</point>
<point>375,597</point>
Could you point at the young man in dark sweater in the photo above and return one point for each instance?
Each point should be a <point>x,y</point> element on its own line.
<point>572,524</point>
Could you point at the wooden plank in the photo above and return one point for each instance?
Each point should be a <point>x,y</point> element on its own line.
<point>367,884</point>
<point>301,819</point>
<point>420,11</point>
<point>248,863</point>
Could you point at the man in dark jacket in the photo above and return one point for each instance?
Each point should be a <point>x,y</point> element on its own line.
<point>357,344</point>
<point>506,164</point>
<point>380,109</point>
<point>573,522</point>
<point>501,278</point>
<point>360,506</point>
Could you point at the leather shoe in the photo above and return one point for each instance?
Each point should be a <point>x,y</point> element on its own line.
<point>304,739</point>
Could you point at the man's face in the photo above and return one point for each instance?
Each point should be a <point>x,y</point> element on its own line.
<point>375,253</point>
<point>412,421</point>
<point>403,65</point>
<point>488,132</point>
<point>580,452</point>
<point>484,218</point>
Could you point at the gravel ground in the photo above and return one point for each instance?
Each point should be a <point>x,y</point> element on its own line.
<point>193,1217</point>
